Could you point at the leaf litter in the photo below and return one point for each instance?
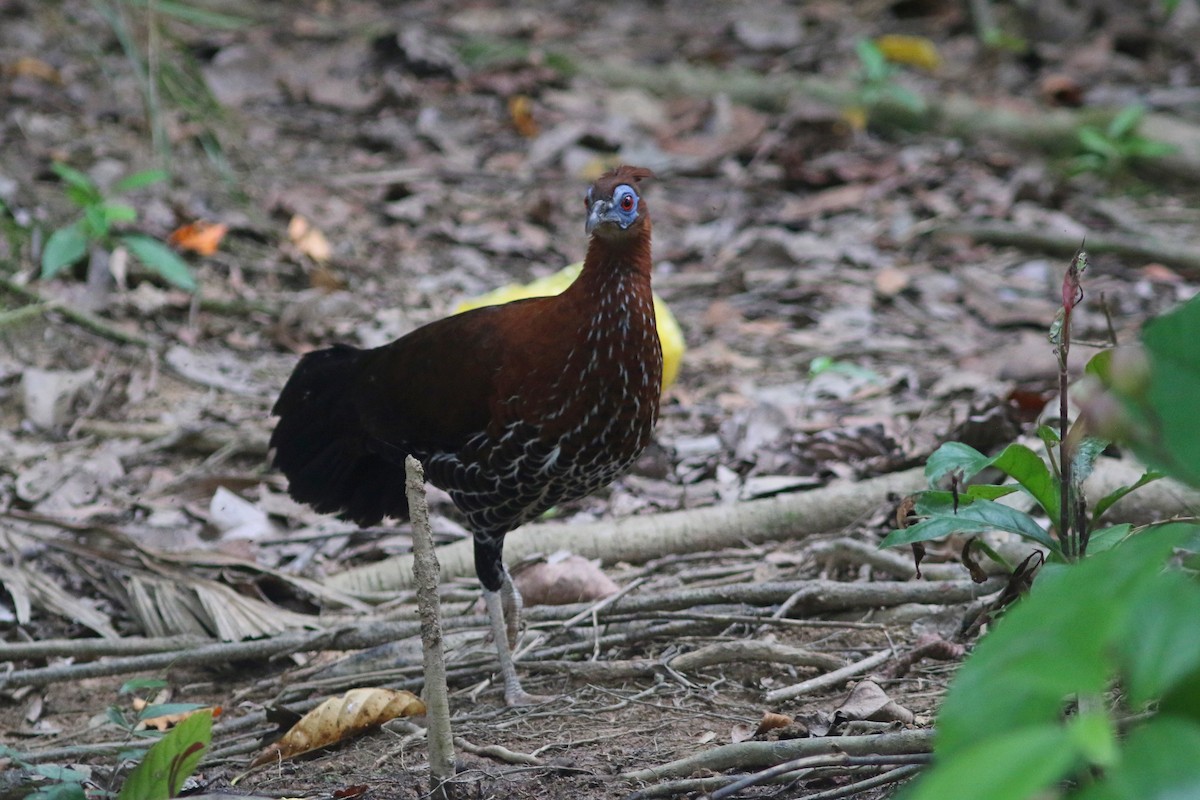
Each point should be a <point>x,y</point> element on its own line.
<point>430,169</point>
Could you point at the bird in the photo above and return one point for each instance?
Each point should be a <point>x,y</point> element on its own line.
<point>670,335</point>
<point>511,409</point>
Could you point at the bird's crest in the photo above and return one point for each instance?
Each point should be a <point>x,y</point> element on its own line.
<point>626,174</point>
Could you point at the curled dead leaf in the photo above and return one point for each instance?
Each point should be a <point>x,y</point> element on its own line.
<point>340,718</point>
<point>771,721</point>
<point>199,237</point>
<point>869,701</point>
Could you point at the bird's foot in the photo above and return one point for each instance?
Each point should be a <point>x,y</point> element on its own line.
<point>517,697</point>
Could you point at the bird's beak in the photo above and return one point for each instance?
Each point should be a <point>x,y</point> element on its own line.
<point>601,211</point>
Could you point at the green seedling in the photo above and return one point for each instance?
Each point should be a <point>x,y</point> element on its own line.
<point>99,225</point>
<point>875,81</point>
<point>1110,149</point>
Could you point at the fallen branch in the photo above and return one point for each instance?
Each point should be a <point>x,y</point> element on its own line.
<point>760,755</point>
<point>956,115</point>
<point>81,318</point>
<point>638,539</point>
<point>1171,254</point>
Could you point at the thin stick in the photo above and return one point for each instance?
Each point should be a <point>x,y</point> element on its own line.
<point>425,574</point>
<point>831,679</point>
<point>810,763</point>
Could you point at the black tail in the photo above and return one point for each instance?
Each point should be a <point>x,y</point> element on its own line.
<point>321,447</point>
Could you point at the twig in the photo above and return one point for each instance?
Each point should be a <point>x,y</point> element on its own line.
<point>750,650</point>
<point>78,316</point>
<point>874,782</point>
<point>437,702</point>
<point>349,638</point>
<point>831,679</point>
<point>638,539</point>
<point>809,763</point>
<point>750,755</point>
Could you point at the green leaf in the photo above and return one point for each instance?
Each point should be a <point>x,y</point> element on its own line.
<point>1125,122</point>
<point>951,457</point>
<point>1083,460</point>
<point>135,685</point>
<point>1110,499</point>
<point>167,709</point>
<point>57,772</point>
<point>1159,646</point>
<point>1099,364</point>
<point>170,761</point>
<point>66,246</point>
<point>75,178</point>
<point>1012,766</point>
<point>195,15</point>
<point>1096,143</point>
<point>95,222</point>
<point>1030,471</point>
<point>974,514</point>
<point>875,66</point>
<point>161,259</point>
<point>1107,538</point>
<point>59,791</point>
<point>118,212</point>
<point>1159,762</point>
<point>1165,410</point>
<point>1094,737</point>
<point>989,491</point>
<point>140,179</point>
<point>906,98</point>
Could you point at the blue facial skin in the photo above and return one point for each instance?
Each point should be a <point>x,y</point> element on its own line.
<point>622,210</point>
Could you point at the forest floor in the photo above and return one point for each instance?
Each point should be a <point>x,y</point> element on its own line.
<point>843,308</point>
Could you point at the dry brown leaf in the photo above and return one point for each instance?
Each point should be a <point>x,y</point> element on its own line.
<point>770,721</point>
<point>564,578</point>
<point>520,110</point>
<point>28,66</point>
<point>869,701</point>
<point>199,237</point>
<point>166,721</point>
<point>740,732</point>
<point>309,239</point>
<point>340,718</point>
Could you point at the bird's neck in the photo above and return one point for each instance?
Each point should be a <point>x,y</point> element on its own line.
<point>616,266</point>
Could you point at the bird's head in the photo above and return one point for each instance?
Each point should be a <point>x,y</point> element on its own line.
<point>615,207</point>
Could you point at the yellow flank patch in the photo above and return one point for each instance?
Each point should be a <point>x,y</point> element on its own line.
<point>669,332</point>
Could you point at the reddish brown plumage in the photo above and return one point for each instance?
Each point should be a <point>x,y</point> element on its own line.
<point>511,409</point>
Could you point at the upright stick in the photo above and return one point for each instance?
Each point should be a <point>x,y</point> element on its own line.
<point>425,574</point>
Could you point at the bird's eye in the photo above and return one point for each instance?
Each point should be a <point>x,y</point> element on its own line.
<point>627,203</point>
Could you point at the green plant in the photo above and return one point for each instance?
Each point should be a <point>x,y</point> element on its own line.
<point>97,226</point>
<point>875,81</point>
<point>1053,482</point>
<point>160,771</point>
<point>170,80</point>
<point>1090,687</point>
<point>1110,149</point>
<point>171,760</point>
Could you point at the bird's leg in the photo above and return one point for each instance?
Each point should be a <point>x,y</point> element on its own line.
<point>510,598</point>
<point>514,695</point>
